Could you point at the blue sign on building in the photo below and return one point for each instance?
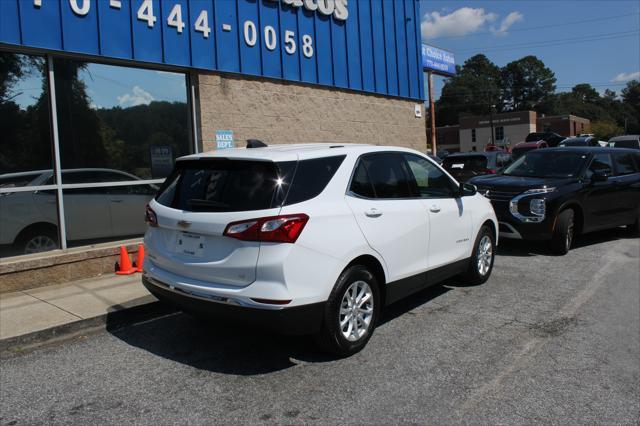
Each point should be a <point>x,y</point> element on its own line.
<point>363,45</point>
<point>438,61</point>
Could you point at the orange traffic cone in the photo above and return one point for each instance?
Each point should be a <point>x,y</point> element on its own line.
<point>124,267</point>
<point>140,259</point>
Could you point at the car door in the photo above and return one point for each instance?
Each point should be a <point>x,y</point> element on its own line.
<point>602,204</point>
<point>450,224</point>
<point>127,206</point>
<point>394,224</point>
<point>628,185</point>
<point>86,210</point>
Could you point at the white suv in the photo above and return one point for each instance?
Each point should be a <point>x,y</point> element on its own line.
<point>312,239</point>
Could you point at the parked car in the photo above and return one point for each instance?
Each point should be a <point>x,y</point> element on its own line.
<point>557,193</point>
<point>435,158</point>
<point>523,147</point>
<point>553,139</point>
<point>626,141</point>
<point>464,166</point>
<point>580,141</point>
<point>30,219</point>
<point>312,239</point>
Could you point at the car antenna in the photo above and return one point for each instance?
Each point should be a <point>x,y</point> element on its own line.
<point>255,143</point>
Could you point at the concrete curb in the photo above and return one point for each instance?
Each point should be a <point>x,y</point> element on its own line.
<point>109,321</point>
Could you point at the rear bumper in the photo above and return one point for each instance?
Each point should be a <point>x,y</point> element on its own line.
<point>302,319</point>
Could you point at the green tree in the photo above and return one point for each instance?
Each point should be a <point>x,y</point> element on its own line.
<point>526,83</point>
<point>472,91</point>
<point>605,129</point>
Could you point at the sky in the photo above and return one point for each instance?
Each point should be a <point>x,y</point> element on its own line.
<point>582,41</point>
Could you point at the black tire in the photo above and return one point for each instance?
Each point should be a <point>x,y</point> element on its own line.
<point>331,338</point>
<point>476,275</point>
<point>564,233</point>
<point>634,228</point>
<point>45,237</point>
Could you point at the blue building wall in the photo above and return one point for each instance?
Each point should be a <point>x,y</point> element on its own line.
<point>376,49</point>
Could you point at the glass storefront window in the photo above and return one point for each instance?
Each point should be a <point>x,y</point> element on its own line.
<point>105,213</point>
<point>28,218</point>
<point>25,142</point>
<point>28,222</point>
<point>121,118</point>
<point>120,130</point>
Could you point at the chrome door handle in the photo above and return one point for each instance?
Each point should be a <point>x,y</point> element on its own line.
<point>373,213</point>
<point>116,200</point>
<point>434,209</point>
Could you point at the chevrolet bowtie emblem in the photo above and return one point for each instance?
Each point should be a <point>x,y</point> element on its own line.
<point>184,224</point>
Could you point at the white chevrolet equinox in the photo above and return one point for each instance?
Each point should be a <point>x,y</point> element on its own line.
<point>312,239</point>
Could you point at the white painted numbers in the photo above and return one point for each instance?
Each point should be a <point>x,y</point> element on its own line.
<point>202,24</point>
<point>146,14</point>
<point>250,35</point>
<point>270,37</point>
<point>175,18</point>
<point>289,42</point>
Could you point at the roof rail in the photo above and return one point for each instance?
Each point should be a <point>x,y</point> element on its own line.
<point>255,143</point>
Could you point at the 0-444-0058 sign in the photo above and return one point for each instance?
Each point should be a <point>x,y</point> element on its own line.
<point>145,13</point>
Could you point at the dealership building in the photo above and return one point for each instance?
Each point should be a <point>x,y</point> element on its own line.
<point>99,97</point>
<point>475,132</point>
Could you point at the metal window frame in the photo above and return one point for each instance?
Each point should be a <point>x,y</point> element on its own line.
<point>59,187</point>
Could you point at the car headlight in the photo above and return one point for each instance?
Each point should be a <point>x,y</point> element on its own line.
<point>537,206</point>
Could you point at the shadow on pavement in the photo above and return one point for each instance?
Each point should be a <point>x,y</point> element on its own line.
<point>235,349</point>
<point>520,248</point>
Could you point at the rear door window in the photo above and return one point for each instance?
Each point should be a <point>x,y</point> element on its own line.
<point>387,173</point>
<point>312,177</point>
<point>220,185</point>
<point>624,163</point>
<point>361,183</point>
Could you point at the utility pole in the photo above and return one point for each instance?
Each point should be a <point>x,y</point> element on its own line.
<point>432,115</point>
<point>493,141</point>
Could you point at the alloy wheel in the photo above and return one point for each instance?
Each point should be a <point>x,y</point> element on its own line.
<point>40,243</point>
<point>356,311</point>
<point>484,255</point>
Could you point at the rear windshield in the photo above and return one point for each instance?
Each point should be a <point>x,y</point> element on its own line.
<point>473,162</point>
<point>222,185</point>
<point>625,143</point>
<point>534,137</point>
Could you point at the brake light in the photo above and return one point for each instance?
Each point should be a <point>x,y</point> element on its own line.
<point>281,229</point>
<point>150,217</point>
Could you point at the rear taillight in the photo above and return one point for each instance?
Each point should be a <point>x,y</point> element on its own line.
<point>281,229</point>
<point>150,217</point>
<point>488,171</point>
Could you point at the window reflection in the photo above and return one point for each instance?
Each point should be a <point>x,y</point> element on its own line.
<point>101,213</point>
<point>121,118</point>
<point>25,138</point>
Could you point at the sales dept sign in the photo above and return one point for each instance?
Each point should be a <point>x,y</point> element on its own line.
<point>224,139</point>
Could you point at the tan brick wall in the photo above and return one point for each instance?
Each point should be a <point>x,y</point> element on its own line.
<point>282,112</point>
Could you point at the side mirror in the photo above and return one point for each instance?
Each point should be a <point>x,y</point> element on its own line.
<point>467,190</point>
<point>599,176</point>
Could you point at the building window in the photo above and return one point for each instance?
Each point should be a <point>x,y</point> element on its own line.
<point>473,135</point>
<point>119,131</point>
<point>499,133</point>
<point>28,200</point>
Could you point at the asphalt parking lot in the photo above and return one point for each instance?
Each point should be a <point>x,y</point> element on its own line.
<point>546,340</point>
